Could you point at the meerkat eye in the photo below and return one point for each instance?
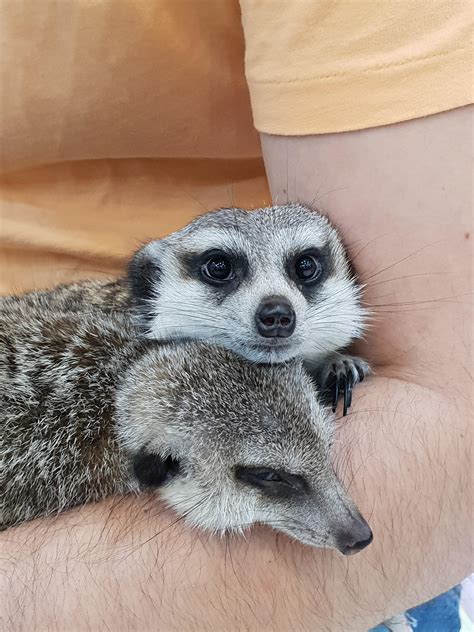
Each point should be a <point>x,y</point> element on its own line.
<point>271,482</point>
<point>270,475</point>
<point>308,268</point>
<point>218,268</point>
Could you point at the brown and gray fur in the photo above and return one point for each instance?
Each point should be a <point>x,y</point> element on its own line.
<point>89,410</point>
<point>60,359</point>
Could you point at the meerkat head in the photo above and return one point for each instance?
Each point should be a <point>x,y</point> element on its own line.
<point>230,444</point>
<point>270,284</point>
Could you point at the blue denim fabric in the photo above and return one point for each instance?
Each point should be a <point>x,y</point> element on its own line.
<point>440,614</point>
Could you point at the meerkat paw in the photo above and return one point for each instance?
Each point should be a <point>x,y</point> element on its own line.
<point>338,377</point>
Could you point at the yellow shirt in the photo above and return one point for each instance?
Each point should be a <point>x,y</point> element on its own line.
<point>121,120</point>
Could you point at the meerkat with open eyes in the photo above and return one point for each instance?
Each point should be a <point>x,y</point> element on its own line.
<point>90,409</point>
<point>270,285</point>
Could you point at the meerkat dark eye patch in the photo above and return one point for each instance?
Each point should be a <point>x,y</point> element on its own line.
<point>217,268</point>
<point>275,483</point>
<point>152,470</point>
<point>309,268</point>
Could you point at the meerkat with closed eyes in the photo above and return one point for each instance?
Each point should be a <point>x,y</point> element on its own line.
<point>90,409</point>
<point>270,285</point>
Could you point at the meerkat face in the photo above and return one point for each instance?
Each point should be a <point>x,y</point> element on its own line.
<point>270,284</point>
<point>231,444</point>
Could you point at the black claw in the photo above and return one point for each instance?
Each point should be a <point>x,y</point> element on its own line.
<point>349,396</point>
<point>342,384</point>
<point>346,395</point>
<point>336,395</point>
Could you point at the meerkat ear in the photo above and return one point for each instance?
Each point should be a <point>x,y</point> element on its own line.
<point>144,273</point>
<point>152,470</point>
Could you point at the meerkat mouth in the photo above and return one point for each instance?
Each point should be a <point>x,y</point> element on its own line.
<point>273,351</point>
<point>273,346</point>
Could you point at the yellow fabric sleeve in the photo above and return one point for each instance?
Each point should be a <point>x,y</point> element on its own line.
<point>318,66</point>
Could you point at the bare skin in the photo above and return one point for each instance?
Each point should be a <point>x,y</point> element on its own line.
<point>402,196</point>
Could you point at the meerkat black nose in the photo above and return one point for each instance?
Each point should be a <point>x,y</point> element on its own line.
<point>275,318</point>
<point>355,538</point>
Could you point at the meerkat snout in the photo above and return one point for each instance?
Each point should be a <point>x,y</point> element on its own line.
<point>355,538</point>
<point>275,318</point>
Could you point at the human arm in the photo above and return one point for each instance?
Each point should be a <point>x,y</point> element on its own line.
<point>404,450</point>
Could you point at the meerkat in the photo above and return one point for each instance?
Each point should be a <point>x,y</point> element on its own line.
<point>90,409</point>
<point>270,285</point>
